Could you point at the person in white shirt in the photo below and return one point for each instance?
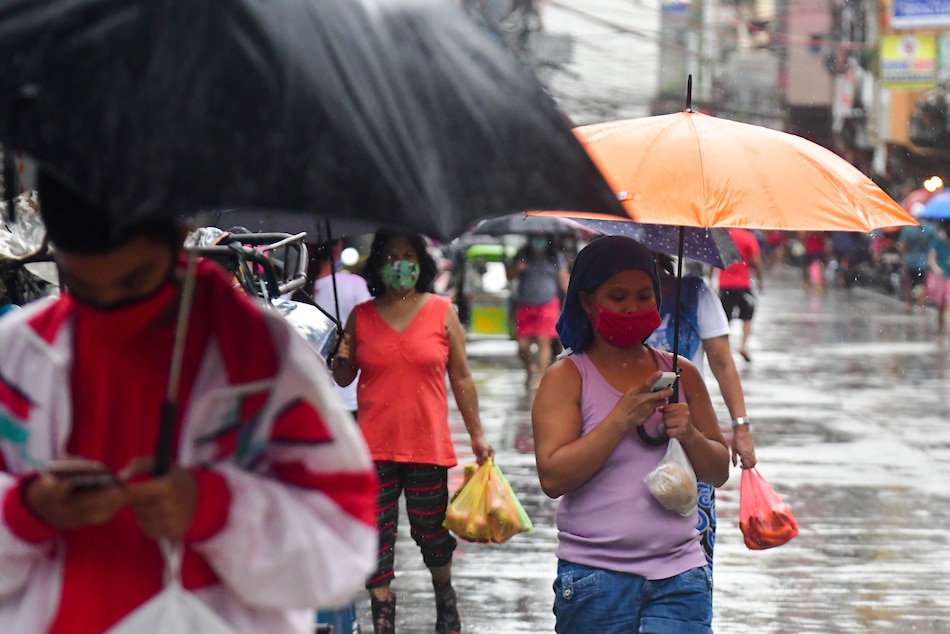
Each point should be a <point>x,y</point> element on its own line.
<point>704,331</point>
<point>335,290</point>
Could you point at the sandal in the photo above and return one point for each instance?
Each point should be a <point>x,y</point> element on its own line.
<point>384,615</point>
<point>446,609</point>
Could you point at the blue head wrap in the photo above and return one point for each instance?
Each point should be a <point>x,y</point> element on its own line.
<point>595,264</point>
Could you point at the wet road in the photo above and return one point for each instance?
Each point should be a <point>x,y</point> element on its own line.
<point>849,399</point>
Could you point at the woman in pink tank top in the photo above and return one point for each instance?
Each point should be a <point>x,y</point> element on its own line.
<point>625,562</point>
<point>403,343</point>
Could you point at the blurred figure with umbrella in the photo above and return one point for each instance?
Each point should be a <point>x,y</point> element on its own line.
<point>915,248</point>
<point>264,452</point>
<point>541,273</point>
<point>937,210</point>
<point>938,278</point>
<point>337,292</point>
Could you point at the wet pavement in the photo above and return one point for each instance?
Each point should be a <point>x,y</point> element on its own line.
<point>848,394</point>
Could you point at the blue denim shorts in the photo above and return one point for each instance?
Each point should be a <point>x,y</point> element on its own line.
<point>597,601</point>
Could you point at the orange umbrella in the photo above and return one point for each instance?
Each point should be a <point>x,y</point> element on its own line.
<point>698,170</point>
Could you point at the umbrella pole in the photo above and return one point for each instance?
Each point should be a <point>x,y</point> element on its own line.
<point>166,425</point>
<point>677,301</point>
<point>663,439</point>
<point>679,270</point>
<point>9,183</point>
<point>336,298</point>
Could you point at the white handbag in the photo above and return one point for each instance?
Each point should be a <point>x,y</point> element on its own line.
<point>174,610</point>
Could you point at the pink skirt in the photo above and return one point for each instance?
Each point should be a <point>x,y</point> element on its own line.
<point>938,289</point>
<point>537,321</point>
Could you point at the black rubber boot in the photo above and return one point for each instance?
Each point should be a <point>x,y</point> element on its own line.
<point>384,615</point>
<point>446,611</point>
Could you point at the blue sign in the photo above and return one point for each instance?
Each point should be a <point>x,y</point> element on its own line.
<point>919,14</point>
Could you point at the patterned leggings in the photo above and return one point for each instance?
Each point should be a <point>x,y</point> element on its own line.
<point>706,524</point>
<point>427,495</point>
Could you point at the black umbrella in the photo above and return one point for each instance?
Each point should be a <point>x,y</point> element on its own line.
<point>404,111</point>
<point>515,224</point>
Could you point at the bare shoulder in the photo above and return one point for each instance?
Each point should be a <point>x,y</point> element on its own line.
<point>561,383</point>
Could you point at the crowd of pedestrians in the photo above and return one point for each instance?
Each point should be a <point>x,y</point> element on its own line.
<point>336,450</point>
<point>909,263</point>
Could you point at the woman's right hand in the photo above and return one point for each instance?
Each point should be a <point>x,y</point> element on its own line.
<point>343,352</point>
<point>638,404</point>
<point>342,365</point>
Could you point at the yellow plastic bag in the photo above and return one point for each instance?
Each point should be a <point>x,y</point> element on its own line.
<point>485,508</point>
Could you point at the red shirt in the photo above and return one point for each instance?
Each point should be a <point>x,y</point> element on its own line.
<point>120,374</point>
<point>737,276</point>
<point>403,403</point>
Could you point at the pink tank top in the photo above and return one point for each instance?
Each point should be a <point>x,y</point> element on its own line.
<point>612,521</point>
<point>402,400</point>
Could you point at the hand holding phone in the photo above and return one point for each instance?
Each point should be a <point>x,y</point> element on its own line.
<point>665,381</point>
<point>82,474</point>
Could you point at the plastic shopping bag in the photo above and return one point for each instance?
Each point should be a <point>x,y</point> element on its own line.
<point>673,481</point>
<point>764,519</point>
<point>514,505</point>
<point>174,610</point>
<point>485,508</point>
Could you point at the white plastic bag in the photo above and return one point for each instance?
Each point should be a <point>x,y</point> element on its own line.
<point>174,610</point>
<point>673,481</point>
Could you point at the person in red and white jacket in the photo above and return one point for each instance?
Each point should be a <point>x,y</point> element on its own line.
<point>272,492</point>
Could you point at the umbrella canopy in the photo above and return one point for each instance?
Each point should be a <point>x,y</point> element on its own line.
<point>696,170</point>
<point>515,224</point>
<point>317,228</point>
<point>400,110</point>
<point>709,246</point>
<point>938,208</point>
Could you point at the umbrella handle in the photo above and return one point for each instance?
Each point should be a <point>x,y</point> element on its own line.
<point>166,436</point>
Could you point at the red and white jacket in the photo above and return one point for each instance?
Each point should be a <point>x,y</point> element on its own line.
<point>300,529</point>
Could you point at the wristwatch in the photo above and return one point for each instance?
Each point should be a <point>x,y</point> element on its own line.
<point>742,420</point>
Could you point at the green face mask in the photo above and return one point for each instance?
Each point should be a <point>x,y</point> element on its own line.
<point>539,244</point>
<point>400,275</point>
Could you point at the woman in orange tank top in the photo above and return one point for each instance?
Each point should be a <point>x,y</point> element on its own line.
<point>402,343</point>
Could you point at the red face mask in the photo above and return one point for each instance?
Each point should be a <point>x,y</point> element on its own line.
<point>625,330</point>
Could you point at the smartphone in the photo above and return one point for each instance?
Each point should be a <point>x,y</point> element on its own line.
<point>82,474</point>
<point>664,382</point>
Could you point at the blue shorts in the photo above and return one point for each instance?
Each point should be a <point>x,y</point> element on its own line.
<point>596,601</point>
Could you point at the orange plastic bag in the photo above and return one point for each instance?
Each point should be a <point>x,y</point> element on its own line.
<point>764,519</point>
<point>485,509</point>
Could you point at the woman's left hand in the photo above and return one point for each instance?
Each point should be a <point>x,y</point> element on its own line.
<point>482,448</point>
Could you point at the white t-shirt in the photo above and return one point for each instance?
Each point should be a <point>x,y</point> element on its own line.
<point>710,319</point>
<point>351,290</point>
<point>712,322</point>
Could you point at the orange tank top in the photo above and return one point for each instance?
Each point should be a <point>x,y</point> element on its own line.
<point>402,400</point>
